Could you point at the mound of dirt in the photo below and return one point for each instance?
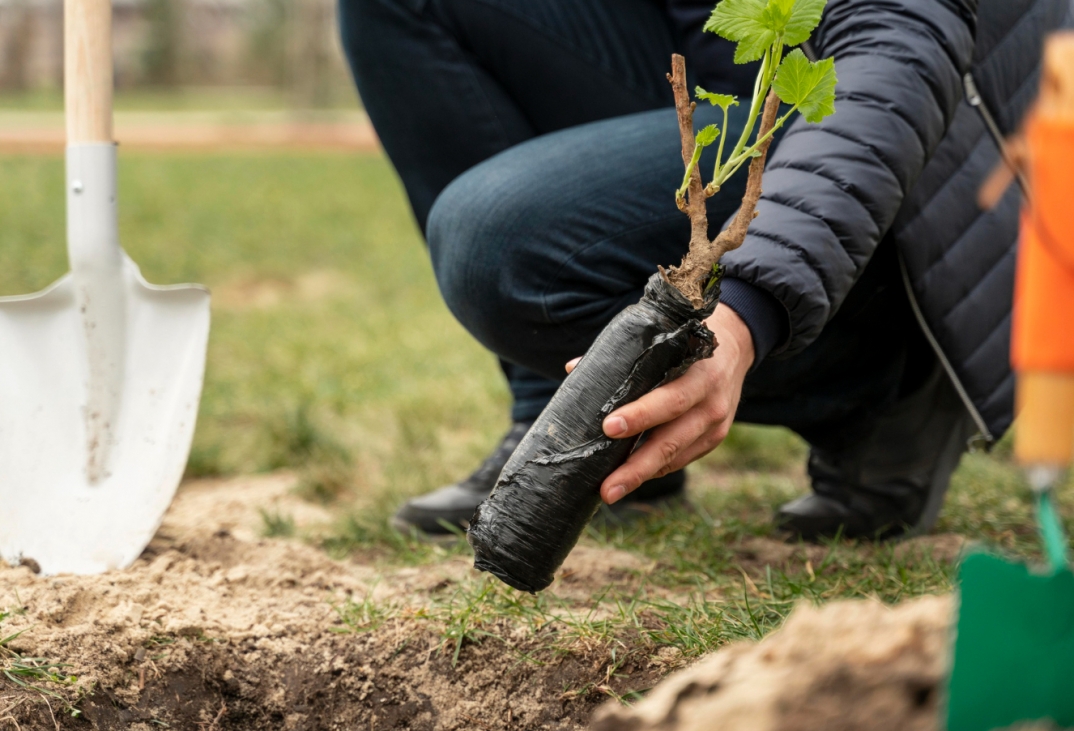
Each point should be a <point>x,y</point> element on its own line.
<point>216,627</point>
<point>850,665</point>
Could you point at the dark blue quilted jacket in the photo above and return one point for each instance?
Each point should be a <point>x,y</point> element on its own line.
<point>904,156</point>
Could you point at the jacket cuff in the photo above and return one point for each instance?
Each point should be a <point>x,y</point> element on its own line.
<point>763,314</point>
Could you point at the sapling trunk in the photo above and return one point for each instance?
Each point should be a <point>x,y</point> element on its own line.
<point>550,488</point>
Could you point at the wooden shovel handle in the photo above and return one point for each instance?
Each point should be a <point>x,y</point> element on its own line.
<point>87,52</point>
<point>1045,429</point>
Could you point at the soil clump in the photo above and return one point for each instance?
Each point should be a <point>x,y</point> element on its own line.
<point>850,665</point>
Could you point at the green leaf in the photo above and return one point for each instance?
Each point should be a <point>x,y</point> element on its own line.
<point>776,15</point>
<point>804,17</point>
<point>756,24</point>
<point>809,86</point>
<point>742,21</point>
<point>736,19</point>
<point>723,101</point>
<point>707,135</point>
<point>753,49</point>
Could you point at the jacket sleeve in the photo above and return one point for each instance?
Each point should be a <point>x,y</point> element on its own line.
<point>831,190</point>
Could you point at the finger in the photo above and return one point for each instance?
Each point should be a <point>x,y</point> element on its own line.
<point>657,407</point>
<point>705,444</point>
<point>572,364</point>
<point>659,451</point>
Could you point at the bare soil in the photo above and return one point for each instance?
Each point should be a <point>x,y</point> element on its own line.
<point>216,627</point>
<point>43,133</point>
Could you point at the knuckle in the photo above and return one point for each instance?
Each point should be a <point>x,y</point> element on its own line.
<point>628,475</point>
<point>720,409</point>
<point>680,401</point>
<point>668,450</point>
<point>717,435</point>
<point>713,380</point>
<point>715,412</point>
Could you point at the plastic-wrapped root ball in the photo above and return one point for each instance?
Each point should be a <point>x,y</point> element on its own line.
<point>550,488</point>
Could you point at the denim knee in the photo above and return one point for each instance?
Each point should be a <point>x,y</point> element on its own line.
<point>487,257</point>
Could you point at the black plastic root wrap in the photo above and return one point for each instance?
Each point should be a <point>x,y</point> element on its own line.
<point>550,488</point>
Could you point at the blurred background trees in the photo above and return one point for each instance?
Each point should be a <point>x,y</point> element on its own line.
<point>288,46</point>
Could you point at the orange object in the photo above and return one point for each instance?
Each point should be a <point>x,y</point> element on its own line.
<point>1043,334</point>
<point>1042,340</point>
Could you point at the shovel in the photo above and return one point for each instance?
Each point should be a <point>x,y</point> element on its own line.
<point>1014,644</point>
<point>100,373</point>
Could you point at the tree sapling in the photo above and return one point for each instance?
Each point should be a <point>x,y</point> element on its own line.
<point>550,488</point>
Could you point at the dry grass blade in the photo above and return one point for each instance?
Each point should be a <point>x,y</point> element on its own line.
<point>52,715</point>
<point>7,713</point>
<point>23,671</point>
<point>213,725</point>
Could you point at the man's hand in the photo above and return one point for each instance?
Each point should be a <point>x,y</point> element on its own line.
<point>689,417</point>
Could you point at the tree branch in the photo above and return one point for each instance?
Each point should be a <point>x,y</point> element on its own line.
<point>692,274</point>
<point>694,203</point>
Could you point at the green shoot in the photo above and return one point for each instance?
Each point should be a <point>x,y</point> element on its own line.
<point>714,278</point>
<point>724,102</point>
<point>763,30</point>
<point>704,138</point>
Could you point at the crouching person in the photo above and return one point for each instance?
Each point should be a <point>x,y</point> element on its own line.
<point>869,308</point>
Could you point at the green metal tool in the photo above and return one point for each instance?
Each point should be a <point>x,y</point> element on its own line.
<point>1014,645</point>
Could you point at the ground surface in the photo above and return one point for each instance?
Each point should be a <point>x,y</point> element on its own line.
<point>43,132</point>
<point>337,378</point>
<point>849,665</point>
<point>217,623</point>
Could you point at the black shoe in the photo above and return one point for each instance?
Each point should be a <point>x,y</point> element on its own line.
<point>890,483</point>
<point>454,505</point>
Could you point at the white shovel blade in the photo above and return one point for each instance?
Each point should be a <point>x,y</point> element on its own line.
<point>50,512</point>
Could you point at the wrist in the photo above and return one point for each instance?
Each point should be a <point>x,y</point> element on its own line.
<point>763,314</point>
<point>733,337</point>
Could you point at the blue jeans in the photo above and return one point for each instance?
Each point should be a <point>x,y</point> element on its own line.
<point>538,147</point>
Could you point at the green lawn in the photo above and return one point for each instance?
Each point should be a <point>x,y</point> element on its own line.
<point>171,99</point>
<point>332,354</point>
<point>328,334</point>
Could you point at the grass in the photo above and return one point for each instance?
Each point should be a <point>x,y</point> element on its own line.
<point>34,674</point>
<point>277,524</point>
<point>322,294</point>
<point>332,354</point>
<point>183,99</point>
<point>693,624</point>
